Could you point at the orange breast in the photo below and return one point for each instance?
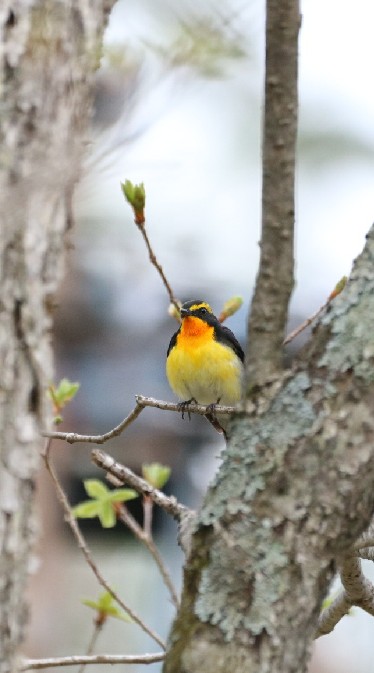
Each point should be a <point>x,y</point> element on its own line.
<point>194,327</point>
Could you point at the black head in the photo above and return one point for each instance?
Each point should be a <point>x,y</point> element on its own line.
<point>198,309</point>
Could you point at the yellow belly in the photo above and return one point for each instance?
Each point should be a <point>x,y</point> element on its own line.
<point>205,370</point>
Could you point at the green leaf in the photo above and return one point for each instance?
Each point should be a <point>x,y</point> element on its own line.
<point>107,515</point>
<point>96,489</point>
<point>87,509</point>
<point>63,392</point>
<point>103,502</point>
<point>156,474</point>
<point>105,605</point>
<point>122,494</point>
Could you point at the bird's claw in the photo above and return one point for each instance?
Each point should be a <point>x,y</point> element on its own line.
<point>183,407</point>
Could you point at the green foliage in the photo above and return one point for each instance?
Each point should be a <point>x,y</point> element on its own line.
<point>102,503</point>
<point>105,606</point>
<point>135,196</point>
<point>156,474</point>
<point>61,395</point>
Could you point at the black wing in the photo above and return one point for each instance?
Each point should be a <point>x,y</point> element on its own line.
<point>173,341</point>
<point>226,336</point>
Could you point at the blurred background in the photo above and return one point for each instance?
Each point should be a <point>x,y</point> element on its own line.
<point>178,107</point>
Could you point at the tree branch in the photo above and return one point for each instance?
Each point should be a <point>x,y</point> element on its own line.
<point>72,437</point>
<point>37,664</point>
<point>358,590</point>
<point>141,403</point>
<point>157,265</point>
<point>127,476</point>
<point>275,279</point>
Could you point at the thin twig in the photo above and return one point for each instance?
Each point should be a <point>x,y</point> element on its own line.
<point>35,664</point>
<point>72,522</point>
<point>158,267</point>
<point>339,287</point>
<point>124,515</point>
<point>91,645</point>
<point>127,476</point>
<point>292,335</point>
<point>72,437</point>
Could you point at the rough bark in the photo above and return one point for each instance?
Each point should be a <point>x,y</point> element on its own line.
<point>49,51</point>
<point>294,491</point>
<point>274,283</point>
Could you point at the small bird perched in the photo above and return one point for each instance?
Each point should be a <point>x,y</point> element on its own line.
<point>204,361</point>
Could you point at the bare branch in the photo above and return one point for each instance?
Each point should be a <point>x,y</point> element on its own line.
<point>127,476</point>
<point>275,279</point>
<point>37,664</point>
<point>72,437</point>
<point>300,328</point>
<point>158,267</point>
<point>72,522</point>
<point>331,615</point>
<point>339,287</point>
<point>366,553</point>
<point>98,625</point>
<point>141,403</point>
<point>358,590</point>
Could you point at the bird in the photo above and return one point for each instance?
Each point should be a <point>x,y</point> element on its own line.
<point>205,361</point>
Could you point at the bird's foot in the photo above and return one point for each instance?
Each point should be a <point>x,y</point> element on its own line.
<point>183,407</point>
<point>211,408</point>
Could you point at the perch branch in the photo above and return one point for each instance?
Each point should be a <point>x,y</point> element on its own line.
<point>141,403</point>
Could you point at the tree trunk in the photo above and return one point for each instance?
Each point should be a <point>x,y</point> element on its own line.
<point>50,50</point>
<point>294,491</point>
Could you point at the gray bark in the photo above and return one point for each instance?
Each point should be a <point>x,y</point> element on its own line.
<point>294,491</point>
<point>49,51</point>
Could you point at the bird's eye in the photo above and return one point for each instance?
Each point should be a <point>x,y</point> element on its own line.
<point>203,311</point>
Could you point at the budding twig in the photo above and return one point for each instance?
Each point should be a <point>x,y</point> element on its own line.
<point>135,196</point>
<point>336,291</point>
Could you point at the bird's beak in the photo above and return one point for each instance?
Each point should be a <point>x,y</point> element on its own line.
<point>185,312</point>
